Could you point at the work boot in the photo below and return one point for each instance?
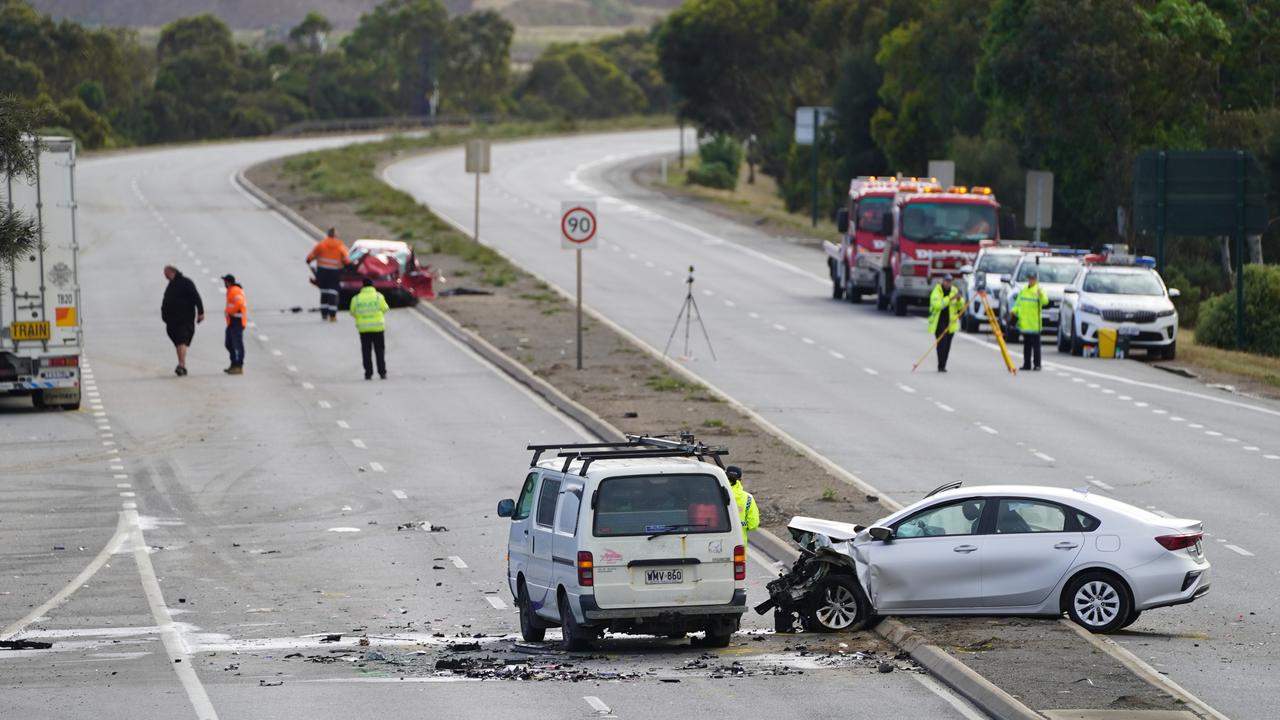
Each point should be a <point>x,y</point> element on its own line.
<point>234,370</point>
<point>382,376</point>
<point>368,376</point>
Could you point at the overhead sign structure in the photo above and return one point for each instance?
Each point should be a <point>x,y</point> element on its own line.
<point>944,171</point>
<point>578,225</point>
<point>1201,192</point>
<point>1039,210</point>
<point>579,228</point>
<point>477,161</point>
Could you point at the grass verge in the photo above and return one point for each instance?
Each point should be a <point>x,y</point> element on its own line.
<point>1259,368</point>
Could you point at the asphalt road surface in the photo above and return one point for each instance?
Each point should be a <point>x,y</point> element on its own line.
<point>838,377</point>
<point>190,546</point>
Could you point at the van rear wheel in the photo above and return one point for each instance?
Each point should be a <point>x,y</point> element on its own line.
<point>530,628</point>
<point>573,636</point>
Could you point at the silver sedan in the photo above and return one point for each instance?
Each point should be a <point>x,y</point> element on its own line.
<point>994,550</point>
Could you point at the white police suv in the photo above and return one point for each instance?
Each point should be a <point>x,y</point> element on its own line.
<point>1121,292</point>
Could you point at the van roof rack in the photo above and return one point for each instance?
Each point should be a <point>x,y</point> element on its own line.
<point>635,447</point>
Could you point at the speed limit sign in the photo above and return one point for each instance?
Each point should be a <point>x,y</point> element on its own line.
<point>578,225</point>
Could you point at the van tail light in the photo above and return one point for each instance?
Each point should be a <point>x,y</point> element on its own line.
<point>1179,542</point>
<point>739,562</point>
<point>586,569</point>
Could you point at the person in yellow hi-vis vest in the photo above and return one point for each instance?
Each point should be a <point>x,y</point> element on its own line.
<point>945,307</point>
<point>368,307</point>
<point>748,511</point>
<point>1027,306</point>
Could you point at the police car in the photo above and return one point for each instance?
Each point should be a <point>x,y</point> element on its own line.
<point>993,262</point>
<point>1122,292</point>
<point>1054,269</point>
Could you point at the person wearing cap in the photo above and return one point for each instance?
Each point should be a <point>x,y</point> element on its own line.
<point>369,309</point>
<point>237,314</point>
<point>330,256</point>
<point>946,305</point>
<point>1026,307</point>
<point>748,511</point>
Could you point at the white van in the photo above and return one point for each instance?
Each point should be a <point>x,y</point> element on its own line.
<point>641,537</point>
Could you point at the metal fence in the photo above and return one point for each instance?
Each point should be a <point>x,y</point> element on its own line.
<point>365,124</point>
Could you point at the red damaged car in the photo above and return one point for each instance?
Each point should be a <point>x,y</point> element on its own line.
<point>393,268</point>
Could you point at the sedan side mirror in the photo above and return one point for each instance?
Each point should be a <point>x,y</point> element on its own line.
<point>883,534</point>
<point>1070,291</point>
<point>842,220</point>
<point>1174,292</point>
<point>506,508</point>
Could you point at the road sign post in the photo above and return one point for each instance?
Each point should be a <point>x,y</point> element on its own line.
<point>477,162</point>
<point>578,231</point>
<point>809,122</point>
<point>1039,210</point>
<point>944,171</point>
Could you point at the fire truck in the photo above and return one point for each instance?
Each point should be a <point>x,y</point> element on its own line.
<point>854,264</point>
<point>931,232</point>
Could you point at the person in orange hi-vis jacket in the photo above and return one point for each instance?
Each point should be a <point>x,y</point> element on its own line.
<point>237,314</point>
<point>330,256</point>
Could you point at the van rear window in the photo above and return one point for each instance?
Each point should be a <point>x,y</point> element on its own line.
<point>660,504</point>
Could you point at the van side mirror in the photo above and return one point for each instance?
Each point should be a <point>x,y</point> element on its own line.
<point>886,225</point>
<point>883,534</point>
<point>842,220</point>
<point>506,508</point>
<point>1174,292</point>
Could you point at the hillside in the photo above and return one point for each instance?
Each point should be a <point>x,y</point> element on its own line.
<point>264,14</point>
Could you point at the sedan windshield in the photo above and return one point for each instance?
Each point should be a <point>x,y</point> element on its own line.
<point>999,263</point>
<point>1112,283</point>
<point>1052,272</point>
<point>948,222</point>
<point>660,504</point>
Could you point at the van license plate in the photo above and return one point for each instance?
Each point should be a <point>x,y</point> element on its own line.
<point>29,330</point>
<point>663,577</point>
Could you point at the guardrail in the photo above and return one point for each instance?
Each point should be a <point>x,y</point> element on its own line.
<point>346,125</point>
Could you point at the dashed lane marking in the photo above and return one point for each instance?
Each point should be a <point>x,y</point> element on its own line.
<point>870,371</point>
<point>343,424</point>
<point>806,341</point>
<point>601,710</point>
<point>400,494</point>
<point>377,467</point>
<point>457,562</point>
<point>779,328</point>
<point>988,429</point>
<point>325,404</point>
<point>308,386</point>
<point>1044,457</point>
<point>292,368</point>
<point>1102,485</point>
<point>1237,549</point>
<point>906,388</point>
<point>835,354</point>
<point>496,602</point>
<point>944,407</point>
<point>359,443</point>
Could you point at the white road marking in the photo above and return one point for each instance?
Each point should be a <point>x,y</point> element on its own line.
<point>1125,397</point>
<point>870,371</point>
<point>944,407</point>
<point>730,303</point>
<point>107,443</point>
<point>124,486</point>
<point>359,443</point>
<point>1140,404</point>
<point>708,293</point>
<point>598,705</point>
<point>1079,380</point>
<point>263,338</point>
<point>906,388</point>
<point>1175,418</point>
<point>174,644</point>
<point>1093,386</point>
<point>1044,457</point>
<point>107,434</point>
<point>377,467</point>
<point>400,494</point>
<point>1272,457</point>
<point>120,477</point>
<point>496,602</point>
<point>1231,440</point>
<point>1213,433</point>
<point>1102,485</point>
<point>343,424</point>
<point>779,328</point>
<point>308,386</point>
<point>806,341</point>
<point>1237,549</point>
<point>949,697</point>
<point>325,404</point>
<point>1250,448</point>
<point>292,368</point>
<point>344,530</point>
<point>835,354</point>
<point>1158,411</point>
<point>457,562</point>
<point>990,430</point>
<point>127,494</point>
<point>753,315</point>
<point>129,506</point>
<point>1195,426</point>
<point>277,353</point>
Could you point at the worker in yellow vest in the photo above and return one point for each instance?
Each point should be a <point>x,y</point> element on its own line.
<point>1030,301</point>
<point>748,511</point>
<point>368,307</point>
<point>946,304</point>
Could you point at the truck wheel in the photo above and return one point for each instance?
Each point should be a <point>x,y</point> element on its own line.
<point>573,636</point>
<point>899,305</point>
<point>851,292</point>
<point>531,628</point>
<point>839,604</point>
<point>882,295</point>
<point>837,292</point>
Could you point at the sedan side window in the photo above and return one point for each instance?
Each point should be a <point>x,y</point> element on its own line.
<point>547,498</point>
<point>1029,516</point>
<point>525,504</point>
<point>957,518</point>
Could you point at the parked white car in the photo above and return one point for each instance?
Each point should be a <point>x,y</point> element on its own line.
<point>992,263</point>
<point>641,537</point>
<point>994,550</point>
<point>1131,298</point>
<point>1053,272</point>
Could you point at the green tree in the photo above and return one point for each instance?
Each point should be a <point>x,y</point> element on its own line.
<point>402,42</point>
<point>476,73</point>
<point>636,54</point>
<point>312,33</point>
<point>17,232</point>
<point>578,81</point>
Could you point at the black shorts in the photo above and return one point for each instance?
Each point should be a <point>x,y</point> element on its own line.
<point>181,334</point>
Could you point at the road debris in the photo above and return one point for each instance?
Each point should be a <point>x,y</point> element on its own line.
<point>24,645</point>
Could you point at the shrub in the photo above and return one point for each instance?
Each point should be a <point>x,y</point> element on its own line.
<point>1216,325</point>
<point>713,174</point>
<point>724,150</point>
<point>1188,303</point>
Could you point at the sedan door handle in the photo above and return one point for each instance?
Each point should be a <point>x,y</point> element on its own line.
<point>1066,546</point>
<point>965,548</point>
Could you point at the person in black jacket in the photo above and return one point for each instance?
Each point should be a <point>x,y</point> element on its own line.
<point>180,310</point>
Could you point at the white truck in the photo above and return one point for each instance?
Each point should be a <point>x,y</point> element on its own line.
<point>40,333</point>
